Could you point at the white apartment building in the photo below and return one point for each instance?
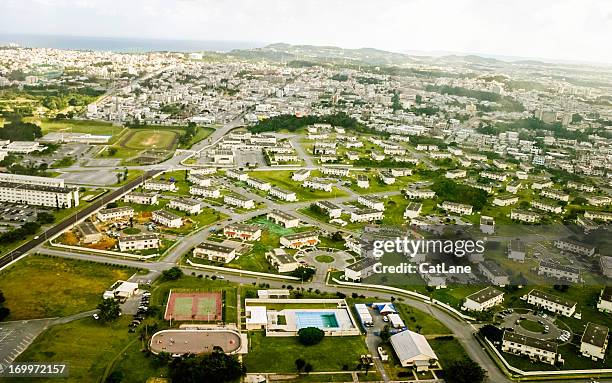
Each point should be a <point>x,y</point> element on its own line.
<point>239,201</point>
<point>551,303</point>
<point>300,175</point>
<point>360,270</point>
<point>575,247</point>
<point>236,174</point>
<point>335,171</point>
<point>505,200</point>
<point>419,193</point>
<point>554,194</point>
<point>138,242</point>
<point>537,350</point>
<point>31,180</point>
<point>258,184</point>
<point>282,261</point>
<point>214,252</point>
<point>457,208</point>
<point>598,215</point>
<point>366,215</point>
<point>39,195</point>
<point>165,218</point>
<point>283,194</point>
<point>456,173</point>
<point>363,181</point>
<point>141,198</point>
<point>604,304</point>
<point>549,207</point>
<point>199,180</point>
<point>159,185</point>
<point>484,299</point>
<point>594,342</point>
<point>332,210</point>
<point>557,271</point>
<point>187,205</point>
<point>205,191</point>
<point>299,240</point>
<point>284,219</point>
<point>524,216</point>
<point>494,176</point>
<point>123,213</point>
<point>318,184</point>
<point>387,178</point>
<point>242,231</point>
<point>413,210</point>
<point>371,202</point>
<point>541,184</point>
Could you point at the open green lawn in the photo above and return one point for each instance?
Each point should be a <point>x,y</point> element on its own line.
<point>282,179</point>
<point>448,350</point>
<point>324,258</point>
<point>329,355</point>
<point>532,326</point>
<point>141,139</point>
<point>76,126</point>
<point>40,286</point>
<point>100,349</point>
<point>420,320</point>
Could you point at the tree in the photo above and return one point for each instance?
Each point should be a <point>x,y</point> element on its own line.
<point>4,311</point>
<point>309,336</point>
<point>299,364</point>
<point>119,177</point>
<point>385,334</point>
<point>109,310</point>
<point>337,237</point>
<point>465,371</point>
<point>216,367</point>
<point>304,273</point>
<point>44,218</point>
<point>114,377</point>
<point>172,274</point>
<point>308,368</point>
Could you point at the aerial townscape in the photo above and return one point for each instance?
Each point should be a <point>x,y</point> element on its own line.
<point>216,216</point>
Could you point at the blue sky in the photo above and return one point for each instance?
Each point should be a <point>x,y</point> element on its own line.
<point>576,30</point>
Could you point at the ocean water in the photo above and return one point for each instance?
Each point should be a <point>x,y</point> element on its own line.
<point>130,45</point>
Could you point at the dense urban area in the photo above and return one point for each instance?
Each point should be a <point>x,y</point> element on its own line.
<point>215,217</point>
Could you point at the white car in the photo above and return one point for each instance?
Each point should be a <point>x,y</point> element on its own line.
<point>96,316</point>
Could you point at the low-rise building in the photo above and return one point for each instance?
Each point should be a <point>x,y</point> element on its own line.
<point>555,270</point>
<point>413,350</point>
<point>505,200</point>
<point>598,215</point>
<point>494,273</point>
<point>300,175</point>
<point>214,252</point>
<point>141,198</point>
<point>236,175</point>
<point>208,192</point>
<point>299,240</point>
<point>517,250</point>
<point>604,304</point>
<point>283,218</point>
<point>371,202</point>
<point>524,216</point>
<point>557,195</point>
<point>419,193</point>
<point>242,231</point>
<point>362,181</point>
<point>165,218</point>
<point>551,303</point>
<point>483,300</point>
<point>575,247</point>
<point>457,208</point>
<point>332,210</point>
<point>544,351</point>
<point>594,342</point>
<point>138,242</point>
<point>335,171</point>
<point>605,263</point>
<point>487,224</point>
<point>123,213</point>
<point>199,180</point>
<point>282,261</point>
<point>188,205</point>
<point>360,270</point>
<point>239,201</point>
<point>89,232</point>
<point>258,184</point>
<point>456,173</point>
<point>494,176</point>
<point>387,178</point>
<point>366,215</point>
<point>413,210</point>
<point>159,185</point>
<point>283,194</point>
<point>547,206</point>
<point>318,184</point>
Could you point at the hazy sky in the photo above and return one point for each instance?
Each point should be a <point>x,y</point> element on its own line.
<point>555,29</point>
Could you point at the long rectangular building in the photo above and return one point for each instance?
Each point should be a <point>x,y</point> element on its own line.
<point>39,195</point>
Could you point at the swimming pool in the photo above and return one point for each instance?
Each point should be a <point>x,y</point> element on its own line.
<point>319,319</point>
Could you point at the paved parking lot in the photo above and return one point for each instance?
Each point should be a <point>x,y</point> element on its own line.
<point>96,177</point>
<point>101,162</point>
<point>554,333</point>
<point>15,337</point>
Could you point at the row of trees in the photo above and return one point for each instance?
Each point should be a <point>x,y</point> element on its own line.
<point>4,311</point>
<point>292,123</point>
<point>448,190</point>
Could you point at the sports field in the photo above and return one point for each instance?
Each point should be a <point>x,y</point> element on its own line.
<point>198,306</point>
<point>150,139</point>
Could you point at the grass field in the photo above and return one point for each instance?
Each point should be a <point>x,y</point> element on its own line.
<point>324,258</point>
<point>329,355</point>
<point>76,126</point>
<point>283,180</point>
<point>141,139</point>
<point>41,287</point>
<point>101,350</point>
